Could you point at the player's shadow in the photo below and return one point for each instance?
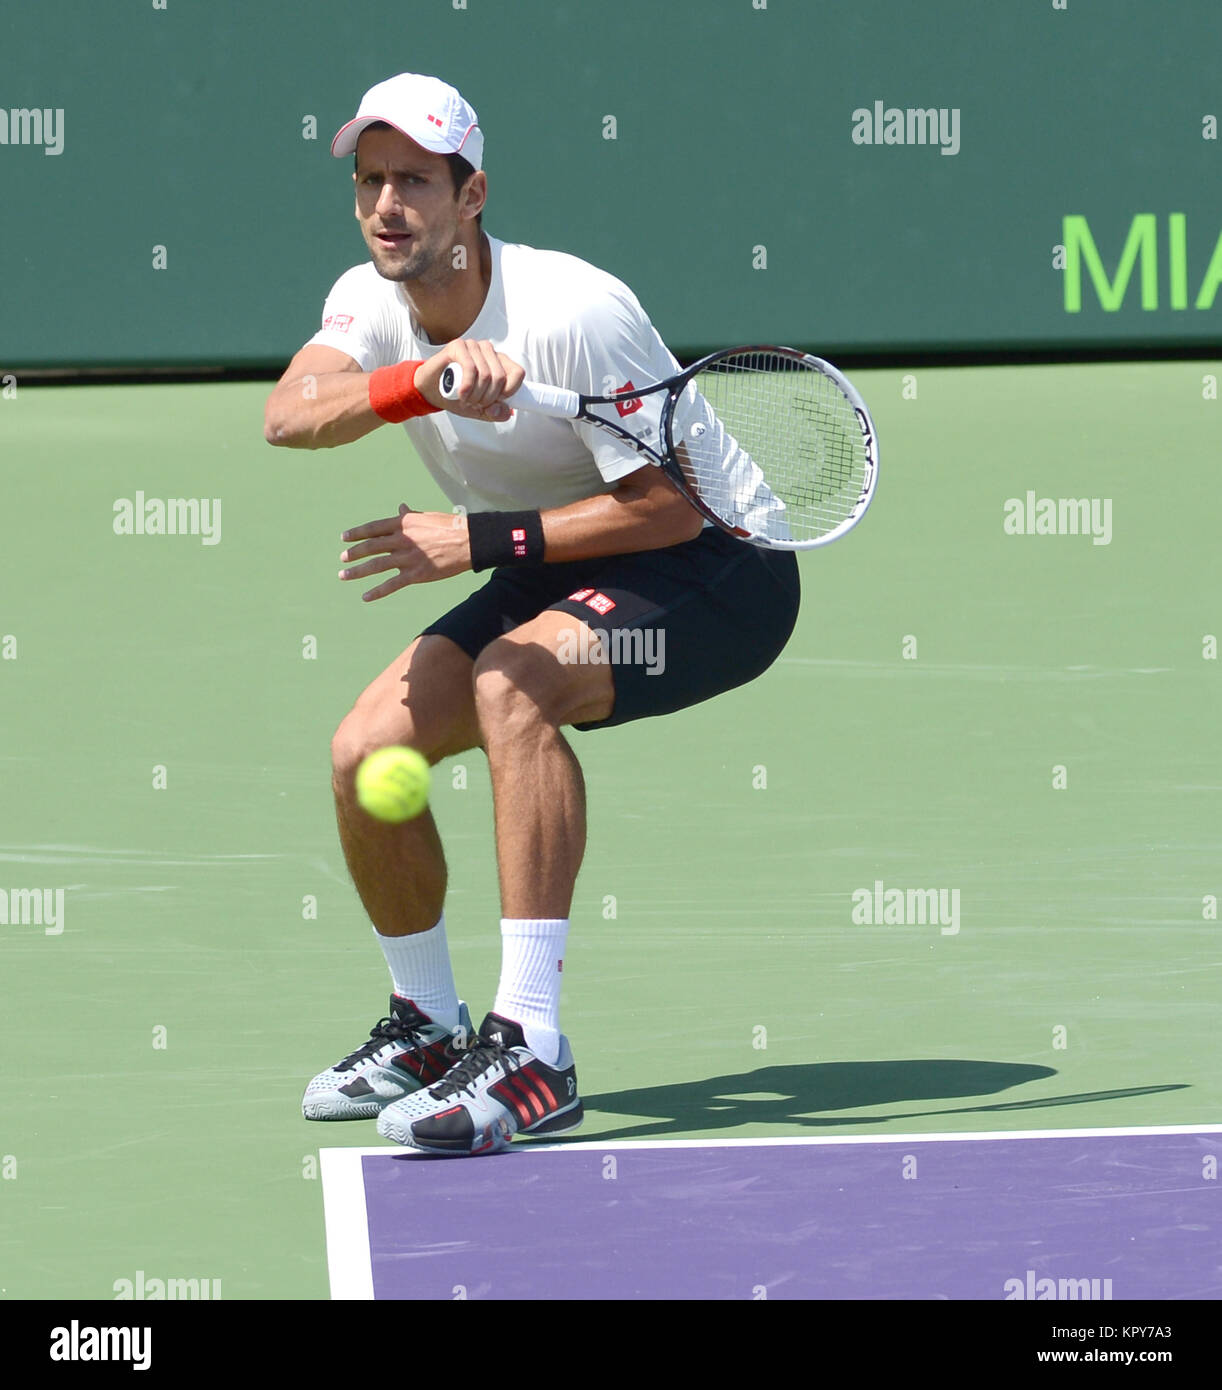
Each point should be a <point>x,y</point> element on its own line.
<point>803,1095</point>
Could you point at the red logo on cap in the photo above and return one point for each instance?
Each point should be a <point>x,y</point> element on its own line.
<point>600,603</point>
<point>581,595</point>
<point>435,119</point>
<point>627,407</point>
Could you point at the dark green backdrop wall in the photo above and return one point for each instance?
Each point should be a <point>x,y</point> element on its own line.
<point>737,197</point>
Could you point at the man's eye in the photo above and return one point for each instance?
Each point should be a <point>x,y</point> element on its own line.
<point>376,180</point>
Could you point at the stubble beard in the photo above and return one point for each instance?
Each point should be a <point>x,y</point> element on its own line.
<point>390,265</point>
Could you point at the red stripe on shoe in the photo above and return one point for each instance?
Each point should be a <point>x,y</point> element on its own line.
<point>424,1064</point>
<point>435,1065</point>
<point>549,1094</point>
<point>508,1097</point>
<point>408,1062</point>
<point>538,1079</point>
<point>414,1063</point>
<point>522,1083</point>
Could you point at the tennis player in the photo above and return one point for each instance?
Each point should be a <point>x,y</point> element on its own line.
<point>587,550</point>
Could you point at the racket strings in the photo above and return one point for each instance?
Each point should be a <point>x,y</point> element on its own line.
<point>772,443</point>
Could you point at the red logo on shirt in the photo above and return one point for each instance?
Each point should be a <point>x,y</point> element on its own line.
<point>627,407</point>
<point>601,604</point>
<point>519,541</point>
<point>338,323</point>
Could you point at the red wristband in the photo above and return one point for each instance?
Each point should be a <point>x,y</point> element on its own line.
<point>393,394</point>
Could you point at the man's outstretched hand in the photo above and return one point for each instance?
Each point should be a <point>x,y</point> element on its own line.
<point>421,546</point>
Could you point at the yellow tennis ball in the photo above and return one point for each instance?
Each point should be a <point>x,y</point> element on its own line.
<point>393,784</point>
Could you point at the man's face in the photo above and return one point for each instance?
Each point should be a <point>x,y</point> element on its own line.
<point>406,205</point>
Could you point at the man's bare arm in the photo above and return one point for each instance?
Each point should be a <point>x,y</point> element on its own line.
<point>323,397</point>
<point>321,400</point>
<point>644,512</point>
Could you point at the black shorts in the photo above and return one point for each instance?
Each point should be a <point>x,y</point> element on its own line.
<point>678,625</point>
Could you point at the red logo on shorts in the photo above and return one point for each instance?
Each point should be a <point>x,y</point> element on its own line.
<point>519,541</point>
<point>581,595</point>
<point>627,407</point>
<point>338,323</point>
<point>601,604</point>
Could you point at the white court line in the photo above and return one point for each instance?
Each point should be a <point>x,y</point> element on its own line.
<point>874,1138</point>
<point>347,1221</point>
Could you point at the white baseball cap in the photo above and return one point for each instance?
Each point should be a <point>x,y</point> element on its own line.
<point>425,109</point>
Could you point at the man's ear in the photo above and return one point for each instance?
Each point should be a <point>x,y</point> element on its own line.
<point>474,194</point>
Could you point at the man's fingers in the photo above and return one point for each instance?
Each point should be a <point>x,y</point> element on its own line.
<point>400,581</point>
<point>515,375</point>
<point>378,546</point>
<point>388,535</point>
<point>413,548</point>
<point>489,376</point>
<point>387,526</point>
<point>396,543</point>
<point>376,566</point>
<point>459,352</point>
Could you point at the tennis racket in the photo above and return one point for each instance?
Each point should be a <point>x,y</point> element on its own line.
<point>772,445</point>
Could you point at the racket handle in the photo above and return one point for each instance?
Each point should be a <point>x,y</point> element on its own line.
<point>531,396</point>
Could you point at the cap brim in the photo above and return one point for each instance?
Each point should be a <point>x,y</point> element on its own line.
<point>347,136</point>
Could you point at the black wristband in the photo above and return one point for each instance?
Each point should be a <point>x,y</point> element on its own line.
<point>505,538</point>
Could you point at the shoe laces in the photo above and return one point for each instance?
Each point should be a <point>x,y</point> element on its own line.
<point>385,1030</point>
<point>462,1076</point>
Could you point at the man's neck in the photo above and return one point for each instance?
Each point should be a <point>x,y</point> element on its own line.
<point>445,312</point>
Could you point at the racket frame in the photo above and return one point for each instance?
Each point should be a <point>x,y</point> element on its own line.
<point>574,405</point>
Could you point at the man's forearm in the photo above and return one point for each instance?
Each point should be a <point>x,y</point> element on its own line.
<point>319,412</point>
<point>645,515</point>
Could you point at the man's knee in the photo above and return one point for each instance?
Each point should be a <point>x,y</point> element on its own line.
<point>522,683</point>
<point>423,701</point>
<point>359,735</point>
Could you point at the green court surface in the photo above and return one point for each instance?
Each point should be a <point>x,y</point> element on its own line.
<point>945,678</point>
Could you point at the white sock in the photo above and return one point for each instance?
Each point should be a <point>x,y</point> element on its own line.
<point>420,971</point>
<point>532,964</point>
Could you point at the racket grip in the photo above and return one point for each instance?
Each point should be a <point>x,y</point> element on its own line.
<point>531,396</point>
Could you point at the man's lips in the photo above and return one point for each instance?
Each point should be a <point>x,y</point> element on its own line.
<point>392,238</point>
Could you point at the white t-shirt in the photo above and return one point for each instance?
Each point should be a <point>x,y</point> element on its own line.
<point>568,324</point>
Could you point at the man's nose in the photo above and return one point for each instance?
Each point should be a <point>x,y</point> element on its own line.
<point>388,200</point>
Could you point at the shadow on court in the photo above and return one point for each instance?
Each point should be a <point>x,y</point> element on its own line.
<point>796,1095</point>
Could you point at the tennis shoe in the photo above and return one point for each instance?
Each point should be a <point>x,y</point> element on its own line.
<point>405,1052</point>
<point>498,1089</point>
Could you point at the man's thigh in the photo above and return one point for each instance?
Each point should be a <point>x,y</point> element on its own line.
<point>423,699</point>
<point>537,659</point>
<point>669,628</point>
<point>683,625</point>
